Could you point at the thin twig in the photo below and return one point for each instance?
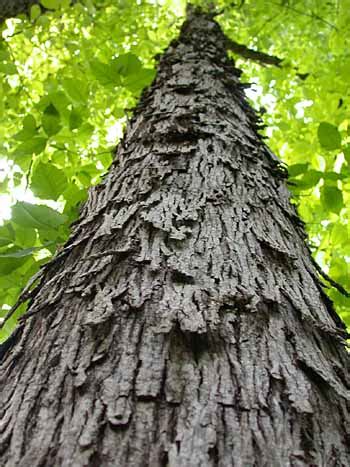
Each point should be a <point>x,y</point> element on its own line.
<point>304,13</point>
<point>28,174</point>
<point>269,20</point>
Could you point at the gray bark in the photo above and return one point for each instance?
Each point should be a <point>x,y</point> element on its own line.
<point>184,323</point>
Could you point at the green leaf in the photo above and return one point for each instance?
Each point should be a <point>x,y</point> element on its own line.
<point>25,236</point>
<point>106,159</point>
<point>329,136</point>
<point>8,68</point>
<point>29,129</point>
<point>35,145</point>
<point>136,82</point>
<point>59,158</point>
<point>74,195</point>
<point>339,234</point>
<point>47,181</point>
<point>4,185</point>
<point>2,100</point>
<point>129,67</point>
<point>7,282</point>
<point>10,324</point>
<point>6,235</point>
<point>35,12</point>
<point>75,119</point>
<point>29,123</point>
<point>51,4</point>
<point>84,178</point>
<point>4,54</point>
<point>346,152</point>
<point>49,235</point>
<point>86,130</point>
<point>297,169</point>
<point>104,73</point>
<point>126,64</point>
<point>75,89</point>
<point>37,216</point>
<point>17,178</point>
<point>60,101</point>
<point>51,120</point>
<point>332,199</point>
<point>308,180</point>
<point>333,176</point>
<point>9,264</point>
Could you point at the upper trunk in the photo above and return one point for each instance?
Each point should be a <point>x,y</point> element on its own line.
<point>183,324</point>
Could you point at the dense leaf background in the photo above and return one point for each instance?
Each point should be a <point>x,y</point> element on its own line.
<point>70,75</point>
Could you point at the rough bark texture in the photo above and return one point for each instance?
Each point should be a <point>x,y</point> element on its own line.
<point>183,324</point>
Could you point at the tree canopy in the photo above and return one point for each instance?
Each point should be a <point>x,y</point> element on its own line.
<point>71,72</point>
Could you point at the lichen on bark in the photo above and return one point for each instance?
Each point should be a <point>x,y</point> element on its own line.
<point>183,324</point>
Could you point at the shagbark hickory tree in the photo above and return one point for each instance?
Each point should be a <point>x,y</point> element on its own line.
<point>183,323</point>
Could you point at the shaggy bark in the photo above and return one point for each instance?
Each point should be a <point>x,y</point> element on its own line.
<point>184,323</point>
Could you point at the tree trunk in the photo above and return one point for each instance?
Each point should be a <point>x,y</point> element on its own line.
<point>184,323</point>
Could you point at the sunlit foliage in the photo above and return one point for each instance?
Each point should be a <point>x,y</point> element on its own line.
<point>70,76</point>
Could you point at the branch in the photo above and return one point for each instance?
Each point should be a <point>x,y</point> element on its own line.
<point>251,54</point>
<point>333,283</point>
<point>260,57</point>
<point>240,49</point>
